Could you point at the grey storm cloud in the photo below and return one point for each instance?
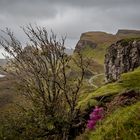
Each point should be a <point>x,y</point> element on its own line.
<point>70,17</point>
<point>75,3</point>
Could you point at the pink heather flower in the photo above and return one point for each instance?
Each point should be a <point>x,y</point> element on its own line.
<point>91,124</point>
<point>95,116</point>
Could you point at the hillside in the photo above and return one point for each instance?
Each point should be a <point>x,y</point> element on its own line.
<point>101,41</point>
<point>120,100</point>
<point>7,94</point>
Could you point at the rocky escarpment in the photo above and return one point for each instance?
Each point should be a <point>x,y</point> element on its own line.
<point>83,43</point>
<point>100,39</point>
<point>94,40</point>
<point>122,57</point>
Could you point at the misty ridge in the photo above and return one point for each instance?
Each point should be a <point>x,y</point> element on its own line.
<point>69,70</point>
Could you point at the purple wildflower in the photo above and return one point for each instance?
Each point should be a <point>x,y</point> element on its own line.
<point>91,124</point>
<point>95,116</point>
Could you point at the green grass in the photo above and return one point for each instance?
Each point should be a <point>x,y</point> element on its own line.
<point>123,124</point>
<point>97,54</point>
<point>130,80</point>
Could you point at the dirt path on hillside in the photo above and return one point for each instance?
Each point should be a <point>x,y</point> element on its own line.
<point>90,81</point>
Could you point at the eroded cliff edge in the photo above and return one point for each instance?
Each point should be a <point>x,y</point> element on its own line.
<point>121,57</point>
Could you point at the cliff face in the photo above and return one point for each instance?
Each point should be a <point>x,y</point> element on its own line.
<point>93,45</point>
<point>94,39</point>
<point>121,57</point>
<point>83,43</point>
<point>100,39</point>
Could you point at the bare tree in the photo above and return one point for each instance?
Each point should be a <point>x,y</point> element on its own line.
<point>42,71</point>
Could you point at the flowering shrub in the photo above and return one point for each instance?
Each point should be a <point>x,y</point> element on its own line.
<point>95,116</point>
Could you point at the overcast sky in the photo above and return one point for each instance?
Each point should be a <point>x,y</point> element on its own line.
<point>71,17</point>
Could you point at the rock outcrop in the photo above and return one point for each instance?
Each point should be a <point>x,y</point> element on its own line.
<point>83,43</point>
<point>122,57</point>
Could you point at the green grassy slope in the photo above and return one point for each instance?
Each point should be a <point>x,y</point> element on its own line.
<point>97,55</point>
<point>122,124</point>
<point>103,40</point>
<point>128,81</point>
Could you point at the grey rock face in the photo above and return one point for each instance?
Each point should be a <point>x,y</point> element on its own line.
<point>83,43</point>
<point>120,58</point>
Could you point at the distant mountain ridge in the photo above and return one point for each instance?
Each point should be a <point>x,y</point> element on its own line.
<point>97,42</point>
<point>127,31</point>
<point>100,37</point>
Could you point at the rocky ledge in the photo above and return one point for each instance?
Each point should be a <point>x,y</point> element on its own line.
<point>122,57</point>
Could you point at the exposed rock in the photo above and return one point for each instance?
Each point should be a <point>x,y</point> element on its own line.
<point>83,43</point>
<point>121,57</point>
